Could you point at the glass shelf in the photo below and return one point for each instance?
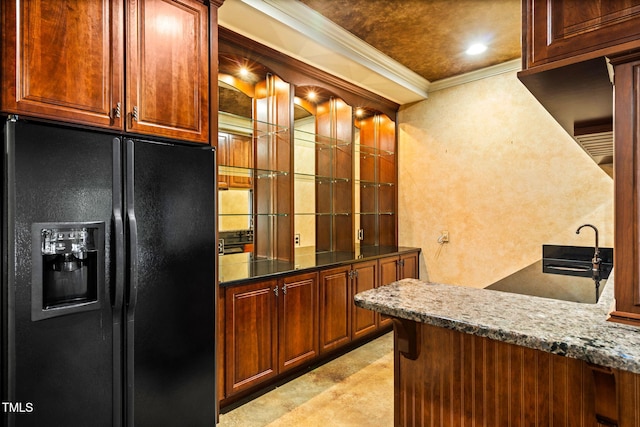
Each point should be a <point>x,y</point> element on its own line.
<point>278,214</point>
<point>249,172</point>
<point>324,213</point>
<point>305,177</point>
<point>308,139</point>
<point>232,123</point>
<point>368,151</point>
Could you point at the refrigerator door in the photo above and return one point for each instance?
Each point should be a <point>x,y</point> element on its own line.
<point>170,296</point>
<point>58,324</point>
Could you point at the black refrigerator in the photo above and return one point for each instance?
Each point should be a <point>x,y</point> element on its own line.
<point>108,279</point>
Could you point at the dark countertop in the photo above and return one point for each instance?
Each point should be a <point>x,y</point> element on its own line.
<point>238,268</point>
<point>532,281</point>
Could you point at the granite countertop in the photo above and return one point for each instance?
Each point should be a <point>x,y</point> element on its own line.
<point>571,329</point>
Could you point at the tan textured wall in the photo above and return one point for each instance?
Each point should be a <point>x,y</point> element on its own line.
<point>486,162</point>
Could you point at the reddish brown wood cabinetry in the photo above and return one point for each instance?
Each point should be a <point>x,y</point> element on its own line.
<point>562,29</point>
<point>269,327</point>
<point>565,43</point>
<point>626,176</point>
<point>235,157</point>
<point>167,79</point>
<point>453,378</point>
<point>394,268</point>
<point>335,308</point>
<point>297,320</point>
<point>65,60</point>
<point>365,277</point>
<point>251,335</point>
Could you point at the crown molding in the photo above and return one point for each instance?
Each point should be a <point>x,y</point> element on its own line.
<point>313,25</point>
<point>483,73</point>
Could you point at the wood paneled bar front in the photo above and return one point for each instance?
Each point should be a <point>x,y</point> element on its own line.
<point>468,357</point>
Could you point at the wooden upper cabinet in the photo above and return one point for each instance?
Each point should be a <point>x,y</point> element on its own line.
<point>63,60</point>
<point>561,29</point>
<point>167,69</point>
<point>626,248</point>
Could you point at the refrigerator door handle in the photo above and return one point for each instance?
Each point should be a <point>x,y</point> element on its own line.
<point>132,230</point>
<point>132,290</point>
<point>118,223</point>
<point>119,281</point>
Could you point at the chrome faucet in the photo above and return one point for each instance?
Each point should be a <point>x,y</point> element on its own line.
<point>596,254</point>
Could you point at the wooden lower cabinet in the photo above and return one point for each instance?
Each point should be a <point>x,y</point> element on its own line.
<point>335,308</point>
<point>270,327</point>
<point>409,267</point>
<point>395,268</point>
<point>251,335</point>
<point>297,320</point>
<point>273,326</point>
<point>365,277</point>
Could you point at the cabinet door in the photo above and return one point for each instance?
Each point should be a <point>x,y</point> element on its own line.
<point>298,320</point>
<point>388,274</point>
<point>240,157</point>
<point>408,266</point>
<point>626,249</point>
<point>365,278</point>
<point>335,308</point>
<point>63,60</point>
<point>558,29</point>
<point>250,335</point>
<point>222,155</point>
<point>167,69</point>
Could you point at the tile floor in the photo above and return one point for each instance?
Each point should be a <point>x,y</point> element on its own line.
<point>354,390</point>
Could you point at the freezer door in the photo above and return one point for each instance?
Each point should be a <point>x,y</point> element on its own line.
<point>58,324</point>
<point>170,296</point>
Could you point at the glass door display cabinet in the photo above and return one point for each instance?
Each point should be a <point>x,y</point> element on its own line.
<point>254,168</point>
<point>323,175</point>
<point>306,176</point>
<point>375,186</point>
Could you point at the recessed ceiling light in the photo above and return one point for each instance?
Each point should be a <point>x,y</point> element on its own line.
<point>476,49</point>
<point>244,72</point>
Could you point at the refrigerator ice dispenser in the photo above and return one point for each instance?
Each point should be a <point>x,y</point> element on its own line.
<point>68,268</point>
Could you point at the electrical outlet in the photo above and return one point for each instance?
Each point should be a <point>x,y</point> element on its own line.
<point>296,240</point>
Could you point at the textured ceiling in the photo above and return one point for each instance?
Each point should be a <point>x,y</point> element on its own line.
<point>430,36</point>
